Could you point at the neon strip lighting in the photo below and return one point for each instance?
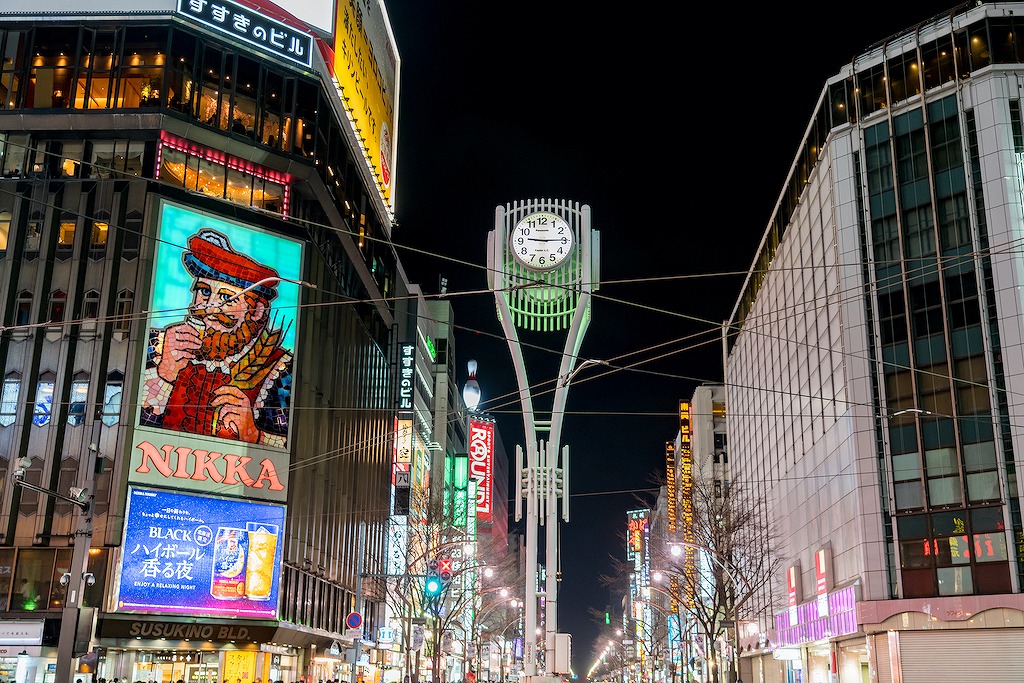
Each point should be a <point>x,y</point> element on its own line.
<point>221,159</point>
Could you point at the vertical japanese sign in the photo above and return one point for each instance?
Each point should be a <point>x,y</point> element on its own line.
<point>401,464</point>
<point>793,591</point>
<point>822,579</point>
<point>481,464</point>
<point>186,554</point>
<point>460,479</point>
<point>686,500</point>
<point>406,377</point>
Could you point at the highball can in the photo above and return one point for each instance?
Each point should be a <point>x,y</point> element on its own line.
<point>230,552</point>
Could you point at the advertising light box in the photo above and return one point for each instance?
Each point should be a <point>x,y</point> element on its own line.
<point>189,554</point>
<point>216,387</point>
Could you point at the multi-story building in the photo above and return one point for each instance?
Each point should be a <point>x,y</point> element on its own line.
<point>198,327</point>
<point>875,364</point>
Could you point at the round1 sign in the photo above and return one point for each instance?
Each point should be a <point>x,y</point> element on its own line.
<point>354,620</point>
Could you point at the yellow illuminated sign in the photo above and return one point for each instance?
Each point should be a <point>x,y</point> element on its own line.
<point>366,65</point>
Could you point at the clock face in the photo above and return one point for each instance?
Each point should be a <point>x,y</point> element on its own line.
<point>542,241</point>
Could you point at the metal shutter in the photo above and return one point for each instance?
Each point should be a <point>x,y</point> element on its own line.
<point>994,655</point>
<point>879,657</point>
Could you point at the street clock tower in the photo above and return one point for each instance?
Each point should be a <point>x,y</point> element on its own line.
<point>543,266</point>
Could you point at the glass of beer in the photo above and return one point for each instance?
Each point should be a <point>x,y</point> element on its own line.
<point>259,575</point>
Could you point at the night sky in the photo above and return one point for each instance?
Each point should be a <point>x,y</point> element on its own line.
<point>679,131</point>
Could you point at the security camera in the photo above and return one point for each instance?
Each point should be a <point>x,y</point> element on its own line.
<point>80,495</point>
<point>20,465</point>
<point>90,579</point>
<point>65,579</point>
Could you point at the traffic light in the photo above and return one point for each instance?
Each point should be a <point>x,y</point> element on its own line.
<point>432,585</point>
<point>445,570</point>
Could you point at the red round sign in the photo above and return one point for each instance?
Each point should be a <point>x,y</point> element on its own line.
<point>354,620</point>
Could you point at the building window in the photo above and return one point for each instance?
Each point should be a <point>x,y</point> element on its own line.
<point>123,311</point>
<point>5,229</point>
<point>958,552</point>
<point>112,399</point>
<point>58,303</point>
<point>71,159</point>
<point>66,238</point>
<point>79,399</point>
<point>9,401</point>
<point>23,316</point>
<point>91,305</point>
<point>32,582</point>
<point>98,239</point>
<point>33,237</point>
<point>44,403</point>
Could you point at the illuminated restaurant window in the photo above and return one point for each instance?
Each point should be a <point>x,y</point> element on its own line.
<point>217,175</point>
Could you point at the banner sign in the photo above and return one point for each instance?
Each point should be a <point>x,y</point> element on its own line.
<point>481,464</point>
<point>191,554</point>
<point>406,377</point>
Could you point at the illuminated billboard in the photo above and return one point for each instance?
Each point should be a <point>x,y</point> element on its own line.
<point>186,554</point>
<point>481,465</point>
<point>366,65</point>
<point>255,28</point>
<point>215,396</point>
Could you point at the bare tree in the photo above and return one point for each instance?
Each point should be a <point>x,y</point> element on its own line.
<point>435,536</point>
<point>719,564</point>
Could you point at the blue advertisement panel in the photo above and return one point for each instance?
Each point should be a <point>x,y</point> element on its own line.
<point>216,391</point>
<point>187,554</point>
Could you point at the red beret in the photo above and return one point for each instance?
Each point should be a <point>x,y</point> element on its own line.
<point>210,256</point>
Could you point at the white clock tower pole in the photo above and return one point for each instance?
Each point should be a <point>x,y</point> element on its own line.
<point>543,265</point>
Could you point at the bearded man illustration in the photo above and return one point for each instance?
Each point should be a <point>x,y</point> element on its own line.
<point>222,371</point>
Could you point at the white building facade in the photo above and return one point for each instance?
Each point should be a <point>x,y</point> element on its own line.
<point>875,370</point>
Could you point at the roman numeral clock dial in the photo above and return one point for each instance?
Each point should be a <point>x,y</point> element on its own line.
<point>542,241</point>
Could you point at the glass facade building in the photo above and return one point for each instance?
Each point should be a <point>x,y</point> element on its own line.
<point>110,121</point>
<point>874,364</point>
